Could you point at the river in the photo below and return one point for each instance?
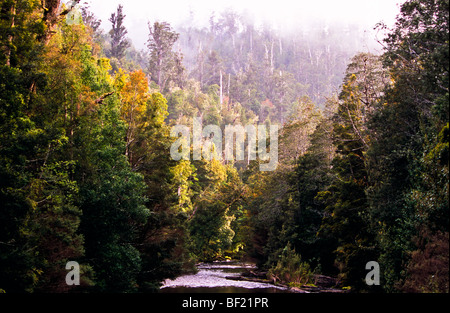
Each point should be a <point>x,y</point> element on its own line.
<point>211,278</point>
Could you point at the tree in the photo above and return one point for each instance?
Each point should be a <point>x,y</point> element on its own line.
<point>277,217</point>
<point>408,124</point>
<point>419,38</point>
<point>215,209</point>
<point>112,195</point>
<point>89,19</point>
<point>313,174</point>
<point>119,43</point>
<point>134,101</point>
<point>212,69</point>
<point>164,64</point>
<point>41,213</point>
<point>346,204</point>
<point>161,240</point>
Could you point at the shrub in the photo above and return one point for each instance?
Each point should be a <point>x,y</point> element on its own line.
<point>290,269</point>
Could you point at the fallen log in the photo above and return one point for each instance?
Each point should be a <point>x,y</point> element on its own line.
<point>256,280</point>
<point>302,289</point>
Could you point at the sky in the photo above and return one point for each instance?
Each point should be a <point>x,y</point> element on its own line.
<point>281,14</point>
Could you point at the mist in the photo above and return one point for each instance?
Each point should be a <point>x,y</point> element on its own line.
<point>282,15</point>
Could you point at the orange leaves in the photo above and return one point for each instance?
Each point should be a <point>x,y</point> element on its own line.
<point>267,103</point>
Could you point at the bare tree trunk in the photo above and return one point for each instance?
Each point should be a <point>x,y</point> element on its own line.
<point>10,36</point>
<point>200,63</point>
<point>281,47</point>
<point>159,72</point>
<point>228,91</point>
<point>310,55</point>
<point>271,58</point>
<point>51,15</point>
<point>221,93</point>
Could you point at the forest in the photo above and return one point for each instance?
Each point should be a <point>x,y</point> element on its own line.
<point>86,173</point>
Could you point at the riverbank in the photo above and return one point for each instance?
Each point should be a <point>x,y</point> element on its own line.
<point>218,277</point>
<point>322,283</point>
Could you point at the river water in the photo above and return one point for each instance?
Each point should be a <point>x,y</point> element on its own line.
<point>211,278</point>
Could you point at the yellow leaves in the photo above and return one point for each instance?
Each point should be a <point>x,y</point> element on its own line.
<point>133,90</point>
<point>217,172</point>
<point>182,171</point>
<point>37,271</point>
<point>158,108</point>
<point>34,274</point>
<point>138,85</point>
<point>105,66</point>
<point>120,79</point>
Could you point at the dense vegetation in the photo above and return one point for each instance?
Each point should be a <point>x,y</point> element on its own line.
<point>86,174</point>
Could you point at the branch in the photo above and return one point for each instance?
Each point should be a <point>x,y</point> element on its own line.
<point>68,10</point>
<point>106,95</point>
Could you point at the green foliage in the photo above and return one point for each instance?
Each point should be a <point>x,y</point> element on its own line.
<point>290,269</point>
<point>313,176</point>
<point>54,224</point>
<point>406,183</point>
<point>212,224</point>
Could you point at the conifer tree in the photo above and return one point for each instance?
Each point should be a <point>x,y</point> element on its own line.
<point>118,32</point>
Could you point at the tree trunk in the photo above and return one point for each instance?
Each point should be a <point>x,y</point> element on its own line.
<point>221,92</point>
<point>228,91</point>
<point>10,36</point>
